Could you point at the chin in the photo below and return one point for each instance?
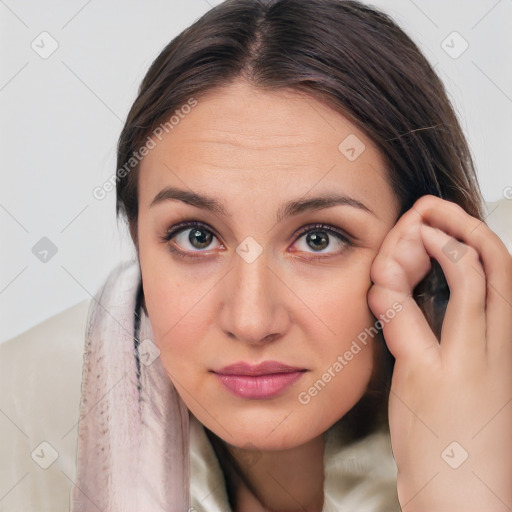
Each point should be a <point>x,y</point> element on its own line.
<point>266,432</point>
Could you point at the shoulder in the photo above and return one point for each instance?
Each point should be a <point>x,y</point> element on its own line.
<point>40,379</point>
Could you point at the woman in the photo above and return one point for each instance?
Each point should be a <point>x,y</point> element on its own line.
<point>297,187</point>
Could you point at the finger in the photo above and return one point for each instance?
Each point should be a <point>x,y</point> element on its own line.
<point>464,325</point>
<point>400,264</point>
<point>495,259</point>
<point>408,334</point>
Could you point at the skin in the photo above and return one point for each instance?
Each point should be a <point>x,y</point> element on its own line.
<point>293,303</point>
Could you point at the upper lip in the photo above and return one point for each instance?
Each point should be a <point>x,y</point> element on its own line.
<point>264,368</point>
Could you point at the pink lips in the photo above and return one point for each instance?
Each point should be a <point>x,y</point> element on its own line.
<point>264,380</point>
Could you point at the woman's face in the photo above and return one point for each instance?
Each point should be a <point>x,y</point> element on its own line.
<point>254,281</point>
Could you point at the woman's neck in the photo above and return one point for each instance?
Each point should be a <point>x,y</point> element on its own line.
<point>285,480</point>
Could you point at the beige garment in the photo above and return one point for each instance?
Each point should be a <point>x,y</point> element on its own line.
<point>40,382</point>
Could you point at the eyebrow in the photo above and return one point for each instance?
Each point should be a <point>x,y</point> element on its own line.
<point>289,209</point>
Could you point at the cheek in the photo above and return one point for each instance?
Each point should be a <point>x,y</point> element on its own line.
<point>344,354</point>
<point>346,349</point>
<point>339,301</point>
<point>181,316</point>
<point>345,309</point>
<point>344,364</point>
<point>179,329</point>
<point>178,317</point>
<point>169,293</point>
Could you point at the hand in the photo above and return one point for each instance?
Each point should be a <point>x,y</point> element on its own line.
<point>450,408</point>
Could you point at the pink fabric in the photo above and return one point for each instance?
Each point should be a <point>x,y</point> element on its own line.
<point>132,453</point>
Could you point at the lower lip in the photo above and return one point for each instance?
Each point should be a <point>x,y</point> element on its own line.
<point>259,386</point>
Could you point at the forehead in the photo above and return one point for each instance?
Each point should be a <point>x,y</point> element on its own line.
<point>240,139</point>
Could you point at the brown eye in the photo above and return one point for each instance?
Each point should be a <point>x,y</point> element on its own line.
<point>319,237</point>
<point>189,239</point>
<point>200,238</point>
<point>317,240</point>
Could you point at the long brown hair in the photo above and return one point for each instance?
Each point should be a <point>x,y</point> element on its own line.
<point>359,62</point>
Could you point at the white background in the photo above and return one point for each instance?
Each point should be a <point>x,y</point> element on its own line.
<point>60,119</point>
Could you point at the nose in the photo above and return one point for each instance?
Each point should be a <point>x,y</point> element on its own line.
<point>253,310</point>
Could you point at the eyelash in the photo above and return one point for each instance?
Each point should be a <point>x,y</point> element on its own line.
<point>183,226</point>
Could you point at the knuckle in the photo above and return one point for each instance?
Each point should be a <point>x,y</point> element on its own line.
<point>425,202</point>
<point>430,202</point>
<point>388,273</point>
